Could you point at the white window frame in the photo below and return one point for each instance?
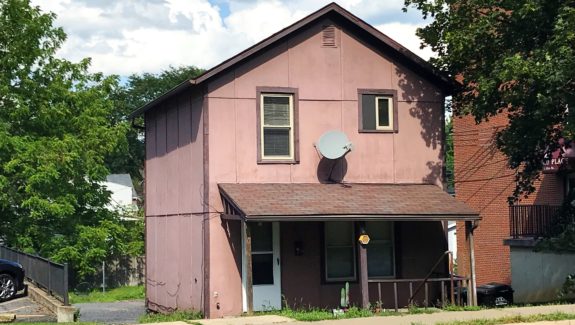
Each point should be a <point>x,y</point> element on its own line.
<point>291,127</point>
<point>353,248</point>
<point>392,240</point>
<point>390,113</point>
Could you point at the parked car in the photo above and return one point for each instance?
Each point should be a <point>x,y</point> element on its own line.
<point>11,279</point>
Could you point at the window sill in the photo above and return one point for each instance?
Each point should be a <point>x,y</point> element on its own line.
<point>339,282</point>
<point>378,131</point>
<point>278,161</point>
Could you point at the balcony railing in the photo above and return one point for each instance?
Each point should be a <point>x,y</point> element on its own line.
<point>531,220</point>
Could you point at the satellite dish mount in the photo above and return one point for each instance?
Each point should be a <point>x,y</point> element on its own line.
<point>333,145</point>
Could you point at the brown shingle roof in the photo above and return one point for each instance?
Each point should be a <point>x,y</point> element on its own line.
<point>349,201</point>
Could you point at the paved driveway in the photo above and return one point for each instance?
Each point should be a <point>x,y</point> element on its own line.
<point>26,310</point>
<point>120,312</point>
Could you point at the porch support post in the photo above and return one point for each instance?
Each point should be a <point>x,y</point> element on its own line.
<point>471,292</point>
<point>249,275</point>
<point>363,283</point>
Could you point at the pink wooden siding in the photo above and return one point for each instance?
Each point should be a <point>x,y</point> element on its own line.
<point>328,100</point>
<point>328,80</point>
<point>174,219</point>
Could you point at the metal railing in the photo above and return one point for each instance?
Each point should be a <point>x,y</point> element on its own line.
<point>531,220</point>
<point>50,276</point>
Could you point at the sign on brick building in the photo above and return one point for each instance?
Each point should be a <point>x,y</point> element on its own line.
<point>560,159</point>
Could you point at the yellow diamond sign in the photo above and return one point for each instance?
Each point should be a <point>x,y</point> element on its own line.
<point>364,239</point>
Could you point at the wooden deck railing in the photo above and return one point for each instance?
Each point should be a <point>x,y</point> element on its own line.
<point>531,220</point>
<point>445,288</point>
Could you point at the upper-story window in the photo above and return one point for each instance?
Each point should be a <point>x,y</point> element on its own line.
<point>277,113</point>
<point>378,110</point>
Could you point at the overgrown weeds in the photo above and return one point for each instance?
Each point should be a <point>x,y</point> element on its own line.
<point>171,317</point>
<point>117,294</point>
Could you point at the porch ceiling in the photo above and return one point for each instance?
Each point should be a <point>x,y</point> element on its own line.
<point>322,202</point>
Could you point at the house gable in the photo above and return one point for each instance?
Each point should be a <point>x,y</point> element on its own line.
<point>328,81</point>
<point>342,17</point>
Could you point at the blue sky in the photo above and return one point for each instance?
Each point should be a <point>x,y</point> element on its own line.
<point>134,36</point>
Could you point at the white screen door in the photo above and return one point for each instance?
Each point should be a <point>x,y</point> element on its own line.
<point>266,274</point>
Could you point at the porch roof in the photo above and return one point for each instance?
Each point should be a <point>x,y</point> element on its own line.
<point>317,202</point>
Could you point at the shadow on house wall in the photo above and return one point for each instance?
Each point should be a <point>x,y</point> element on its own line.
<point>426,104</point>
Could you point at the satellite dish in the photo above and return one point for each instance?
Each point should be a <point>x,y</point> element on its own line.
<point>333,144</point>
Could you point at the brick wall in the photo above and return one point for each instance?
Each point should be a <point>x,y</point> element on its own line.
<point>484,182</point>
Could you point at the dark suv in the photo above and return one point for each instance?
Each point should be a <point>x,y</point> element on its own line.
<point>11,279</point>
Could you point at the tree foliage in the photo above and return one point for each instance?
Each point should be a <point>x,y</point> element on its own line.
<point>56,130</point>
<point>560,236</point>
<point>62,131</point>
<point>514,57</point>
<point>449,163</point>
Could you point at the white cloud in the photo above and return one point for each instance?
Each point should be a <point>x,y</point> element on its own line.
<point>134,36</point>
<point>262,20</point>
<point>202,14</point>
<point>404,34</point>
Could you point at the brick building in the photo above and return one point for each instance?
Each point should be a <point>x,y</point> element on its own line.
<point>484,182</point>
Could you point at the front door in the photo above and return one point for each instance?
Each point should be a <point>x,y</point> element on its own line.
<point>265,266</point>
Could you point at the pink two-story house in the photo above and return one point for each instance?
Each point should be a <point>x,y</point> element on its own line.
<point>242,211</point>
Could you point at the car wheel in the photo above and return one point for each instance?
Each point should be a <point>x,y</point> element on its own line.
<point>7,287</point>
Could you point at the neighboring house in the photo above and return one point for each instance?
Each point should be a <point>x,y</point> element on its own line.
<point>123,196</point>
<point>243,213</point>
<point>506,236</point>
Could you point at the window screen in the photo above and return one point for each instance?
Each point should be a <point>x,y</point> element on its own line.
<point>277,126</point>
<point>262,253</point>
<point>339,251</point>
<point>380,251</point>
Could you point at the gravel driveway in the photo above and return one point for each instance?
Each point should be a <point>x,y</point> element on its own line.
<point>120,312</point>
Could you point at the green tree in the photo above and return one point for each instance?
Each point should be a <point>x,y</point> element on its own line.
<point>449,167</point>
<point>56,130</point>
<point>511,56</point>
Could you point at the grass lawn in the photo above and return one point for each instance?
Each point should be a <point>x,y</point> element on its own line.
<point>354,312</point>
<point>514,319</point>
<point>313,315</point>
<point>463,308</point>
<point>320,314</point>
<point>117,294</point>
